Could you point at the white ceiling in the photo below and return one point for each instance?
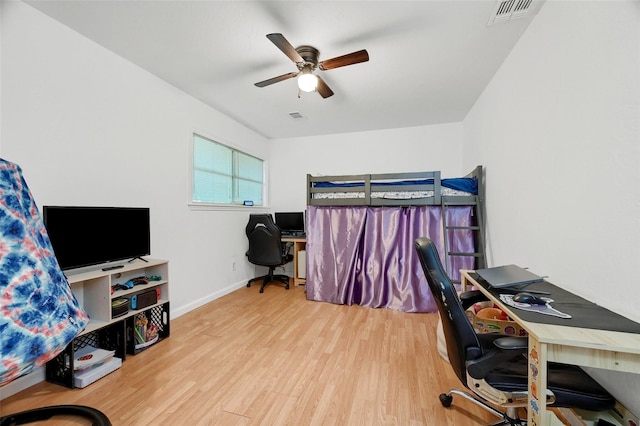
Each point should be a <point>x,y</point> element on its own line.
<point>429,60</point>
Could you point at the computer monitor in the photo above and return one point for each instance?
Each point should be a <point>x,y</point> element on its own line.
<point>290,222</point>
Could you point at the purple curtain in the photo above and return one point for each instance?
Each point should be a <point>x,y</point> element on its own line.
<point>365,255</point>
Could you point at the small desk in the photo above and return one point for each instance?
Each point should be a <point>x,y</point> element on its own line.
<point>588,347</point>
<point>299,244</point>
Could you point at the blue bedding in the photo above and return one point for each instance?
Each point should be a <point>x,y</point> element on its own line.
<point>39,315</point>
<point>469,185</point>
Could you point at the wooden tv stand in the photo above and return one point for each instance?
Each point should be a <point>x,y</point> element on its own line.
<point>93,290</point>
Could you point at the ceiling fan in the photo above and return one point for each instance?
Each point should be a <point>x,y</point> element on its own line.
<point>306,59</point>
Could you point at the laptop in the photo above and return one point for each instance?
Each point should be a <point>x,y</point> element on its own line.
<point>508,276</point>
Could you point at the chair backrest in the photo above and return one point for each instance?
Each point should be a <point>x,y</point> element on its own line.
<point>265,245</point>
<point>461,338</point>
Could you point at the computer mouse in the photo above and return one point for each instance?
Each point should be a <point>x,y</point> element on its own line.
<point>529,298</point>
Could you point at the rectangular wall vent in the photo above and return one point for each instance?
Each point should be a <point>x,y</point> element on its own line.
<point>505,10</point>
<point>296,116</point>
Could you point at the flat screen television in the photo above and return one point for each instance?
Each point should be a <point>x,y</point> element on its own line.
<point>87,236</point>
<point>290,222</point>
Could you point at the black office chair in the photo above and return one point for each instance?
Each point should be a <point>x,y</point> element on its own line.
<point>266,248</point>
<point>494,366</point>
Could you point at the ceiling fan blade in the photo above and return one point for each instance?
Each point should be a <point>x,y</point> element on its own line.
<point>323,89</point>
<point>286,47</point>
<point>344,60</point>
<point>276,79</point>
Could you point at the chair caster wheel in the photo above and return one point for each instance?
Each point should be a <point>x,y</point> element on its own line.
<point>286,287</point>
<point>262,290</point>
<point>248,284</point>
<point>446,400</point>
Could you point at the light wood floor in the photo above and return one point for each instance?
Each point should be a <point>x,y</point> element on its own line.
<point>276,359</point>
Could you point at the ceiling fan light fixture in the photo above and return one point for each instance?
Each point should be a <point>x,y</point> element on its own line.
<point>308,82</point>
<point>306,60</point>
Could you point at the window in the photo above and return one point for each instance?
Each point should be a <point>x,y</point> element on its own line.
<point>223,175</point>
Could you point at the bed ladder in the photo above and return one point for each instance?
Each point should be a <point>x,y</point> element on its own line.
<point>477,227</point>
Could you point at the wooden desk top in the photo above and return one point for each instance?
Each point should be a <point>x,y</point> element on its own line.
<point>567,336</point>
<point>294,239</point>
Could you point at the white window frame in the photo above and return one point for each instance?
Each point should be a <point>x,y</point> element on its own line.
<point>200,205</point>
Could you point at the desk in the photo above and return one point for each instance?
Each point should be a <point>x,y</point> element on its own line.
<point>299,244</point>
<point>587,347</point>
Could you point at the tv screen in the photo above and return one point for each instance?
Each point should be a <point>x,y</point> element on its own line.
<point>86,236</point>
<point>290,221</point>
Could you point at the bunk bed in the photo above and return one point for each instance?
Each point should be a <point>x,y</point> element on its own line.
<point>391,189</point>
<point>361,228</point>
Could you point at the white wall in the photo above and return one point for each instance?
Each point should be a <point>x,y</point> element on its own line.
<point>0,80</point>
<point>412,149</point>
<point>90,128</point>
<point>558,132</point>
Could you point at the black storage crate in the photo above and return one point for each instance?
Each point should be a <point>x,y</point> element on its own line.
<point>157,316</point>
<point>60,369</point>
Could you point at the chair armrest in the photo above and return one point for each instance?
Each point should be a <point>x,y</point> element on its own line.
<point>468,298</point>
<point>505,350</point>
<point>286,248</point>
<point>512,343</point>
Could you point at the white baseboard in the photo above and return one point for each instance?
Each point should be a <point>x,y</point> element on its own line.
<point>175,313</point>
<point>22,383</point>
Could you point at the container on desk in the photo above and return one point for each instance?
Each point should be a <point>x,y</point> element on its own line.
<point>494,325</point>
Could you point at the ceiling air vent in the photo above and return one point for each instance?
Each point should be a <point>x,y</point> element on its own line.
<point>505,10</point>
<point>296,116</point>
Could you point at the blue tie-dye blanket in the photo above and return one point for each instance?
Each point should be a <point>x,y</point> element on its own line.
<point>39,315</point>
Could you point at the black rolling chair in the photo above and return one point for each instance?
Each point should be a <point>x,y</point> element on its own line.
<point>494,366</point>
<point>266,249</point>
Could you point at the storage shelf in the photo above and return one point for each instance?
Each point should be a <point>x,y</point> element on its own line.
<point>92,289</point>
<point>146,308</point>
<point>157,316</point>
<point>138,288</point>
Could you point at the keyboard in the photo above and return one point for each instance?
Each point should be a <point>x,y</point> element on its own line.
<point>293,234</point>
